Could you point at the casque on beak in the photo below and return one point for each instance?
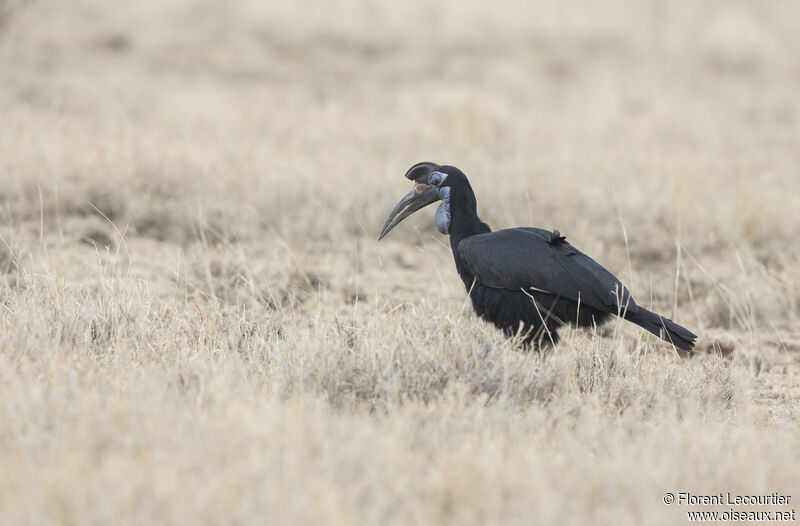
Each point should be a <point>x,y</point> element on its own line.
<point>419,197</point>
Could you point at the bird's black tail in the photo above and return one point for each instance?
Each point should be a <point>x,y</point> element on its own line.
<point>664,328</point>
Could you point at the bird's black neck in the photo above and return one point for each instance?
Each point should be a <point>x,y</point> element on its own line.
<point>464,223</point>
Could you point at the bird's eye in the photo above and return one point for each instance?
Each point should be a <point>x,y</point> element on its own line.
<point>435,179</point>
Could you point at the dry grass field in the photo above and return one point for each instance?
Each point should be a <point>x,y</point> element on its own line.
<point>198,326</point>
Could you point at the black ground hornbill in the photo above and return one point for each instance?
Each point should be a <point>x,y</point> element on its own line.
<point>526,281</point>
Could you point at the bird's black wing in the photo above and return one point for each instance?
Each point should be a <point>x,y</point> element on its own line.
<point>533,258</point>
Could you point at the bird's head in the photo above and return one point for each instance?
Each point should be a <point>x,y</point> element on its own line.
<point>432,182</point>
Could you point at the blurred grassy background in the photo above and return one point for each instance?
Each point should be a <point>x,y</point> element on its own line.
<point>190,193</point>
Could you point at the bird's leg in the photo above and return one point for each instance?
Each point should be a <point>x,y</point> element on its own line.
<point>544,328</point>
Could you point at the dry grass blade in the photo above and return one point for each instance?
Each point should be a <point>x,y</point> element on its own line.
<point>197,325</point>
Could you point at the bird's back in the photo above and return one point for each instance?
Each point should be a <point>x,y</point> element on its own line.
<point>538,259</point>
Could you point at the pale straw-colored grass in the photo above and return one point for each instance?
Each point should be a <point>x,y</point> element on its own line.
<point>197,324</point>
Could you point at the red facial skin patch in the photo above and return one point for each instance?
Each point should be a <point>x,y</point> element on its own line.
<point>421,187</point>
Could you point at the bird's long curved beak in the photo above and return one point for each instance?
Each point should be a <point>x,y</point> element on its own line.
<point>419,197</point>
